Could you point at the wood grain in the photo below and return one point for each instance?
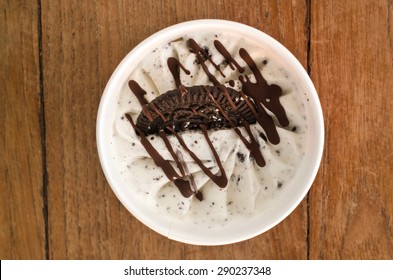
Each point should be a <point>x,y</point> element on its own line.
<point>352,67</point>
<point>22,229</point>
<point>82,45</point>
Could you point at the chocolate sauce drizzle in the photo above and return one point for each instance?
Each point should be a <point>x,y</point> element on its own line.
<point>186,187</point>
<point>174,65</point>
<point>253,145</point>
<point>200,53</point>
<point>266,95</point>
<point>224,52</point>
<point>262,94</point>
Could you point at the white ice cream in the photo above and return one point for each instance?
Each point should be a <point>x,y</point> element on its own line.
<point>250,187</point>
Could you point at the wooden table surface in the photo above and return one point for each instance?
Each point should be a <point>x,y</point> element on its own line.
<point>56,58</point>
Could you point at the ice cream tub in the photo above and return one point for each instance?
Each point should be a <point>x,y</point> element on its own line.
<point>210,132</point>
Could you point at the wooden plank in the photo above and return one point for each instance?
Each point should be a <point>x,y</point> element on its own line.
<point>82,44</point>
<point>352,66</point>
<point>22,229</point>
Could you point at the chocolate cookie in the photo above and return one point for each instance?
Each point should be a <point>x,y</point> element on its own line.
<point>189,107</point>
